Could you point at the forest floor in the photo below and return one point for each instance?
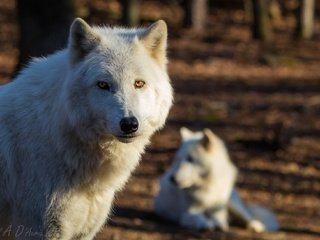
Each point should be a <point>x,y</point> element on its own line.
<point>262,99</point>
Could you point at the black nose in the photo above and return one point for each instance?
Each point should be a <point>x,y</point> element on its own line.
<point>173,179</point>
<point>129,125</point>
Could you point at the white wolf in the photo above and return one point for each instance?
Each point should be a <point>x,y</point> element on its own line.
<point>73,127</point>
<point>198,191</point>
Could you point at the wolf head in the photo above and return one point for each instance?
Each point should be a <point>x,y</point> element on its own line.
<point>201,160</point>
<point>117,82</point>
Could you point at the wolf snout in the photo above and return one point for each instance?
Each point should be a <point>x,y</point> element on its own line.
<point>129,125</point>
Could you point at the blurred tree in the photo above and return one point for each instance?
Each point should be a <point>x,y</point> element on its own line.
<point>248,10</point>
<point>275,10</point>
<point>261,24</point>
<point>305,19</point>
<point>130,12</point>
<point>195,14</point>
<point>44,27</point>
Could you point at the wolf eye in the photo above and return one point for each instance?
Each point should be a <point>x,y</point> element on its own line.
<point>139,83</point>
<point>189,159</point>
<point>103,85</point>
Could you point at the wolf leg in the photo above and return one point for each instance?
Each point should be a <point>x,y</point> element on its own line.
<point>237,207</point>
<point>220,216</point>
<point>240,211</point>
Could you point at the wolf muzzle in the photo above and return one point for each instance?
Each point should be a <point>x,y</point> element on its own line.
<point>129,125</point>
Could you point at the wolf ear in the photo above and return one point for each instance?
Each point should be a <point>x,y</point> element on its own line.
<point>154,40</point>
<point>185,133</point>
<point>207,140</point>
<point>82,39</point>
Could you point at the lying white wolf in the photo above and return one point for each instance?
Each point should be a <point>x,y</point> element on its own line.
<point>198,190</point>
<point>74,125</point>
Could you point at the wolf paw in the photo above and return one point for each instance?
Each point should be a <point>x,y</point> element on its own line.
<point>256,226</point>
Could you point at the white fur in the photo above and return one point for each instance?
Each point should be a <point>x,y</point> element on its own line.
<point>202,194</point>
<point>62,154</point>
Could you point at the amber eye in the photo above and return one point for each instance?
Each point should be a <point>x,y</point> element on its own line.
<point>139,83</point>
<point>103,85</point>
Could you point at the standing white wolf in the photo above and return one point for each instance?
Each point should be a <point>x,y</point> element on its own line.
<point>198,189</point>
<point>73,127</point>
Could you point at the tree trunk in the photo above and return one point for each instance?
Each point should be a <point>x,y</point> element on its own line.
<point>44,27</point>
<point>195,14</point>
<point>130,12</point>
<point>248,11</point>
<point>261,25</point>
<point>305,19</point>
<point>275,10</point>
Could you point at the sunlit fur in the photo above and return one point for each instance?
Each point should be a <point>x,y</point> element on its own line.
<point>197,191</point>
<point>62,152</point>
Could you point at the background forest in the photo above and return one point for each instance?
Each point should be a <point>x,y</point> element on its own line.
<point>249,70</point>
